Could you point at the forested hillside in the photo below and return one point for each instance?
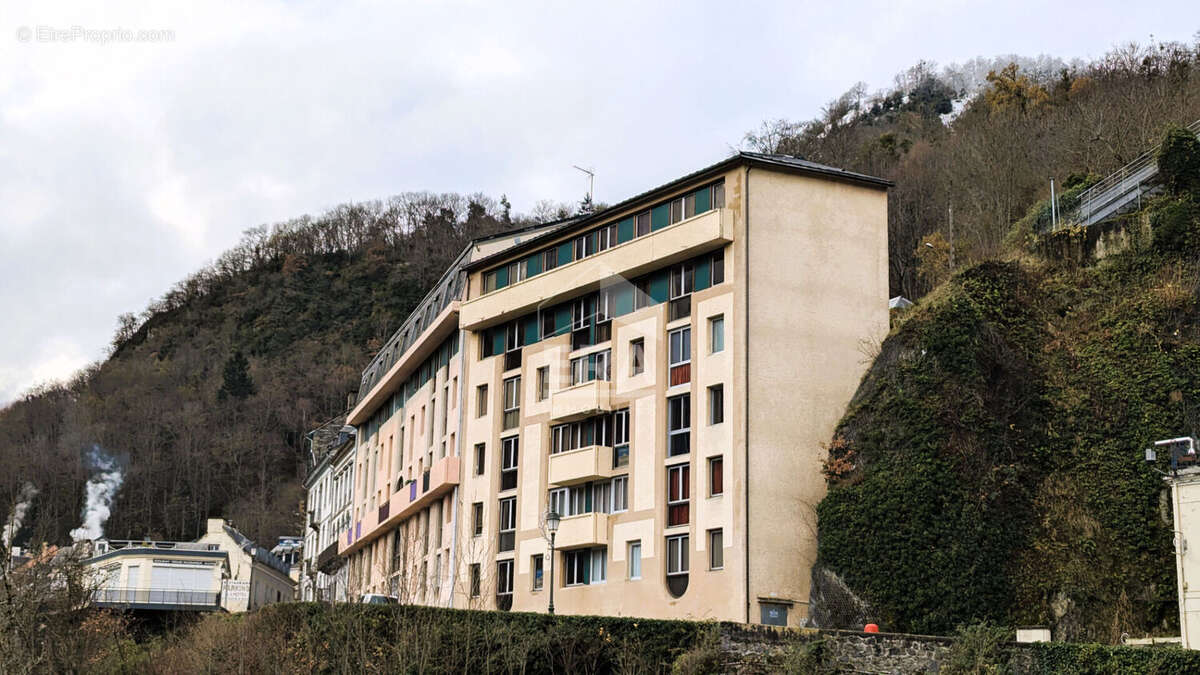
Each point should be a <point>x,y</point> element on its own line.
<point>990,465</point>
<point>984,139</point>
<point>208,394</point>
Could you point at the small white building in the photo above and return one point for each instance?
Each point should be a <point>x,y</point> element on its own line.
<point>256,576</point>
<point>159,575</point>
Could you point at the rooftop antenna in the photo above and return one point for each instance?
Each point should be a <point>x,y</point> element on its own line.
<point>591,180</point>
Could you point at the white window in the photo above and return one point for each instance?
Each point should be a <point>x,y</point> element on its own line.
<point>504,577</point>
<point>602,496</point>
<point>508,524</point>
<point>620,494</point>
<point>635,560</point>
<point>543,383</point>
<point>679,424</point>
<point>620,438</point>
<point>509,451</point>
<point>677,555</point>
<point>512,402</point>
<point>558,501</point>
<point>680,341</point>
<point>716,334</point>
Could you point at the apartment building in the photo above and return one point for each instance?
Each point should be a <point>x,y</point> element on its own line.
<point>661,374</point>
<point>329,484</point>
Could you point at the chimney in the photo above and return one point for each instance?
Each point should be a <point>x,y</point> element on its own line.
<point>216,525</point>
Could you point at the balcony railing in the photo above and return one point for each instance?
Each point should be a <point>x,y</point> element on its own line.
<point>585,530</point>
<point>580,465</point>
<point>154,596</point>
<point>580,401</point>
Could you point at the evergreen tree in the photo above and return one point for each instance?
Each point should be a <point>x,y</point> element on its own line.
<point>238,383</point>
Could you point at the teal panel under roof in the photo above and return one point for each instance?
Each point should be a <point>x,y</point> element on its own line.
<point>660,217</point>
<point>502,277</point>
<point>624,230</point>
<point>703,200</point>
<point>623,299</point>
<point>533,264</point>
<point>659,286</point>
<point>703,277</point>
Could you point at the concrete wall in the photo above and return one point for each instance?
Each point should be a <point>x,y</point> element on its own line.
<point>816,292</point>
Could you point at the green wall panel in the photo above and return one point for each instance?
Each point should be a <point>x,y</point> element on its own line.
<point>623,300</point>
<point>624,230</point>
<point>534,264</point>
<point>703,200</point>
<point>660,217</point>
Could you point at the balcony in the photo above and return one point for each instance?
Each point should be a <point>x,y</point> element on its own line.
<point>580,401</point>
<point>327,560</point>
<point>155,598</point>
<point>671,244</point>
<point>580,465</point>
<point>589,529</point>
<point>435,482</point>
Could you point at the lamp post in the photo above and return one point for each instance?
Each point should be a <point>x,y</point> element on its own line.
<point>552,520</point>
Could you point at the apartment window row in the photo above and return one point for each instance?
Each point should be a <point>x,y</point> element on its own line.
<point>427,371</point>
<point>412,328</point>
<point>594,366</point>
<point>588,318</point>
<point>607,236</point>
<point>605,496</point>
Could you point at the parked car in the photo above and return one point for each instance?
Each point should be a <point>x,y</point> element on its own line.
<point>378,599</point>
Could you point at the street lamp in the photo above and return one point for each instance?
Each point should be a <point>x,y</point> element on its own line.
<point>552,520</point>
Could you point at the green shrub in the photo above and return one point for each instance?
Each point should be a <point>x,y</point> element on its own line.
<point>978,650</point>
<point>1179,161</point>
<point>1174,224</point>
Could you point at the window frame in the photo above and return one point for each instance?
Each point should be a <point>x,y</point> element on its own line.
<point>679,494</point>
<point>510,456</point>
<point>637,356</point>
<point>512,403</point>
<point>716,404</point>
<point>678,545</point>
<point>619,490</point>
<point>508,525</point>
<point>630,572</point>
<point>716,468</point>
<point>684,401</point>
<point>543,383</point>
<point>477,517</point>
<point>481,400</point>
<point>716,551</point>
<point>716,334</point>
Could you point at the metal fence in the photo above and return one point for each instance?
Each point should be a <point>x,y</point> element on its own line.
<point>155,596</point>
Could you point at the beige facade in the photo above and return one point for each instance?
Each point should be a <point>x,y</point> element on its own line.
<point>663,374</point>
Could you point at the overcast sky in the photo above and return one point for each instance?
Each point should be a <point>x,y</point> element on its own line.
<point>124,166</point>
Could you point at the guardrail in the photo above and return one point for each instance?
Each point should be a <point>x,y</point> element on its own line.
<point>154,596</point>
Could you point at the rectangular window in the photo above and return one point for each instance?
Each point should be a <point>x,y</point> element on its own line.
<point>680,355</point>
<point>678,490</point>
<point>508,524</point>
<point>594,366</point>
<point>559,501</point>
<point>504,577</point>
<point>716,550</point>
<point>642,224</point>
<point>718,267</point>
<point>512,402</point>
<point>516,272</point>
<point>716,334</point>
<point>475,580</point>
<point>718,196</point>
<point>508,462</point>
<point>620,438</point>
<point>489,282</point>
<point>637,356</point>
<point>585,566</point>
<point>634,568</point>
<point>477,517</point>
<point>716,404</point>
<point>538,563</point>
<point>682,283</point>
<point>602,496</point>
<point>676,210</point>
<point>480,458</point>
<point>481,400</point>
<point>677,555</point>
<point>543,383</point>
<point>716,476</point>
<point>679,425</point>
<point>689,205</point>
<point>620,494</point>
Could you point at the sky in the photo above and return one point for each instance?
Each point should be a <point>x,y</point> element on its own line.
<point>138,140</point>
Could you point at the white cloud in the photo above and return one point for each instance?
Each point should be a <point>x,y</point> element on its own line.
<point>125,166</point>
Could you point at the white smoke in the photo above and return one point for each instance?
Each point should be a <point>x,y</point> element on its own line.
<point>101,488</point>
<point>24,499</point>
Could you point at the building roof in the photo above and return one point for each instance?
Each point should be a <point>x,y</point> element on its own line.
<point>257,552</point>
<point>786,163</point>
